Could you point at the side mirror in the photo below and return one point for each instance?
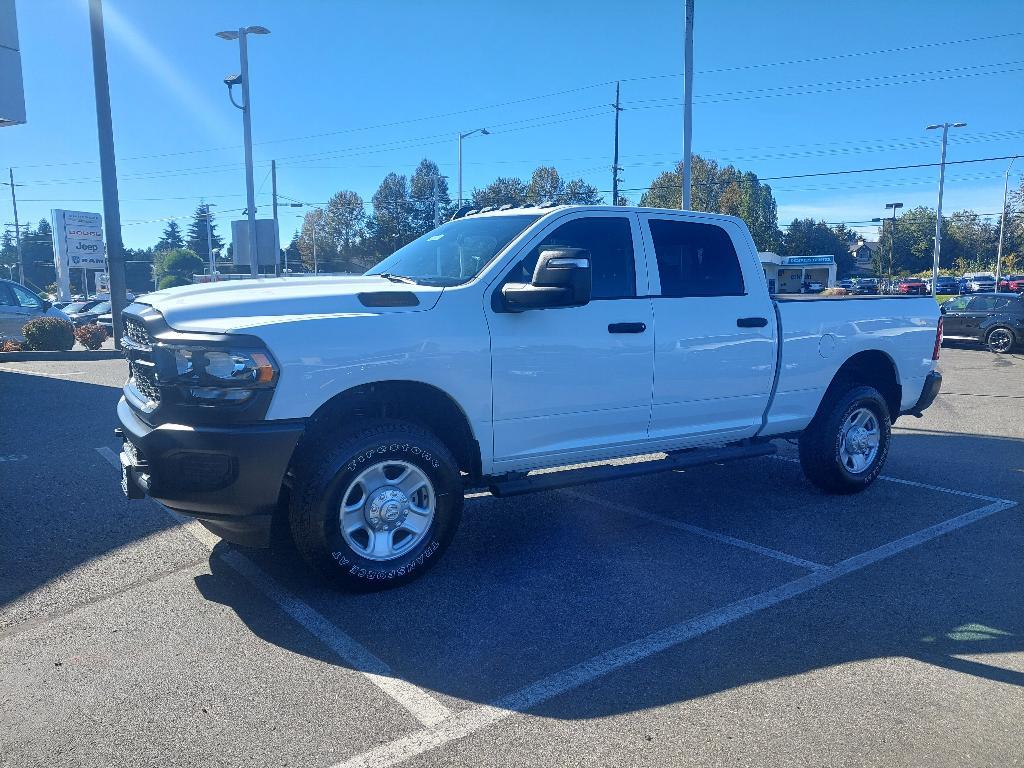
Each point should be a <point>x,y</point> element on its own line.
<point>942,309</point>
<point>562,278</point>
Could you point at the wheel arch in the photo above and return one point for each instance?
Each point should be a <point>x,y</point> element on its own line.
<point>414,401</point>
<point>874,368</point>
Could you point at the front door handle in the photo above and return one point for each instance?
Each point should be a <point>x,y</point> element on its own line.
<point>752,322</point>
<point>627,327</point>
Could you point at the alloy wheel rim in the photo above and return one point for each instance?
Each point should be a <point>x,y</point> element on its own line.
<point>387,510</point>
<point>999,340</point>
<point>859,440</point>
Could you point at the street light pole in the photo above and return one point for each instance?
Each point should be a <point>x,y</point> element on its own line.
<point>467,134</point>
<point>1002,218</point>
<point>209,242</point>
<point>17,231</point>
<point>250,188</point>
<point>892,236</point>
<point>938,211</point>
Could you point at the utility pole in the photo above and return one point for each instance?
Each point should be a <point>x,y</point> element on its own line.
<point>209,244</point>
<point>437,205</point>
<point>108,169</point>
<point>892,236</point>
<point>938,212</point>
<point>1002,218</point>
<point>17,232</point>
<point>615,156</point>
<point>250,190</point>
<point>277,234</point>
<point>687,104</point>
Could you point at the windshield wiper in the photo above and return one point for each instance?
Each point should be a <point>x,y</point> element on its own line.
<point>396,278</point>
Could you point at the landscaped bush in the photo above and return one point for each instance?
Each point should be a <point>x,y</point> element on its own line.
<point>10,345</point>
<point>836,291</point>
<point>172,281</point>
<point>48,334</point>
<point>91,336</point>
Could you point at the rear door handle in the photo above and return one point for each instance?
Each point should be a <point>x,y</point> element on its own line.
<point>752,322</point>
<point>627,327</point>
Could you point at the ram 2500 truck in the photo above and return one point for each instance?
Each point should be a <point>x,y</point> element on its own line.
<point>355,412</point>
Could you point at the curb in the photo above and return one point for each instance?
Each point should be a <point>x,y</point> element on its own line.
<point>69,355</point>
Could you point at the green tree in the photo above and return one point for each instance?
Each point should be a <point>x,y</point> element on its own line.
<point>37,253</point>
<point>546,186</point>
<point>138,269</point>
<point>170,238</point>
<point>579,192</point>
<point>177,266</point>
<point>505,190</point>
<point>196,237</point>
<point>346,217</point>
<point>314,226</point>
<point>721,190</point>
<point>390,227</point>
<point>421,196</point>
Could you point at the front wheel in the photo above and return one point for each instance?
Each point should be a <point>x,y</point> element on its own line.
<point>376,508</point>
<point>844,448</point>
<point>999,340</point>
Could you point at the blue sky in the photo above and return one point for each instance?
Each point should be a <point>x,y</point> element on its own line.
<point>343,92</point>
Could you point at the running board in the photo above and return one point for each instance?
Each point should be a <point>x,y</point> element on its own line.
<point>547,481</point>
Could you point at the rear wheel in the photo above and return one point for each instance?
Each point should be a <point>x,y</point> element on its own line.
<point>999,340</point>
<point>376,508</point>
<point>845,447</point>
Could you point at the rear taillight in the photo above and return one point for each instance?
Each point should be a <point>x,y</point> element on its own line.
<point>938,340</point>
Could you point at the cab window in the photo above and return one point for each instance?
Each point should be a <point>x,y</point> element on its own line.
<point>695,259</point>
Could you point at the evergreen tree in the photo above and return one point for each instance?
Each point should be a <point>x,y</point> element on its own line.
<point>504,190</point>
<point>170,238</point>
<point>391,225</point>
<point>421,197</point>
<point>196,239</point>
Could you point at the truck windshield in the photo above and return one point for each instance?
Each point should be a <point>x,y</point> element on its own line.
<point>455,252</point>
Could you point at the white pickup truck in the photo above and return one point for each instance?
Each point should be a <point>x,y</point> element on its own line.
<point>354,413</point>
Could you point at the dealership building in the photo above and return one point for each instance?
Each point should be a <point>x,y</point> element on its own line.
<point>787,274</point>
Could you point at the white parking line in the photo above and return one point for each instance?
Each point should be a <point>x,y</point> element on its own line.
<point>469,721</point>
<point>698,531</point>
<point>420,704</point>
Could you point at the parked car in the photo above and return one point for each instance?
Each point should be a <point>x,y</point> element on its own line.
<point>980,282</point>
<point>499,343</point>
<point>912,285</point>
<point>18,305</point>
<point>995,319</point>
<point>946,285</point>
<point>1012,283</point>
<point>846,283</point>
<point>866,286</point>
<point>89,314</point>
<point>812,286</point>
<point>107,321</point>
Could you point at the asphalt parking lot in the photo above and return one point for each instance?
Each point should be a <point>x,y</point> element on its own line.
<point>728,615</point>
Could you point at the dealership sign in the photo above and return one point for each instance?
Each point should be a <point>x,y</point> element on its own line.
<point>77,244</point>
<point>806,260</point>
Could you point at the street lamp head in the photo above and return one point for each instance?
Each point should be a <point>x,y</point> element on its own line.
<point>959,125</point>
<point>234,79</point>
<point>894,205</point>
<point>257,30</point>
<point>484,132</point>
<point>228,34</point>
<point>876,220</point>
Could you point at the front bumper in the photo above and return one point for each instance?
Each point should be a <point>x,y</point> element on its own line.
<point>230,477</point>
<point>930,390</point>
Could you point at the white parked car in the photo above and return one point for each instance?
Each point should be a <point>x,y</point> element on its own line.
<point>18,305</point>
<point>358,410</point>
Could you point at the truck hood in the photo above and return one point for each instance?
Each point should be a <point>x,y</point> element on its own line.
<point>234,305</point>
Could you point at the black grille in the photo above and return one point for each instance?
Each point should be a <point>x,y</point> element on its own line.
<point>138,344</point>
<point>145,381</point>
<point>136,331</point>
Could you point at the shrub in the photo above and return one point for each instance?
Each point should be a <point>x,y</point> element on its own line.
<point>10,345</point>
<point>172,281</point>
<point>48,334</point>
<point>91,336</point>
<point>836,291</point>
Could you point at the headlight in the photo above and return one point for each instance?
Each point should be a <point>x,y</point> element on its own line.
<point>213,375</point>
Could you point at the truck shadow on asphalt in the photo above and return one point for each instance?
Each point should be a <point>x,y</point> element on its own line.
<point>534,586</point>
<point>60,505</point>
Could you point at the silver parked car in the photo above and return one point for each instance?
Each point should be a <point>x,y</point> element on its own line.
<point>18,305</point>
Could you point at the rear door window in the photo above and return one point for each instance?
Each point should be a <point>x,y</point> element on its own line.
<point>695,259</point>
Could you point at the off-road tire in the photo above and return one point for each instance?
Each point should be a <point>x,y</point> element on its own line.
<point>326,470</point>
<point>820,442</point>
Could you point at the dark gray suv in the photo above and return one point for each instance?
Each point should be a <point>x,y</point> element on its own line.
<point>18,305</point>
